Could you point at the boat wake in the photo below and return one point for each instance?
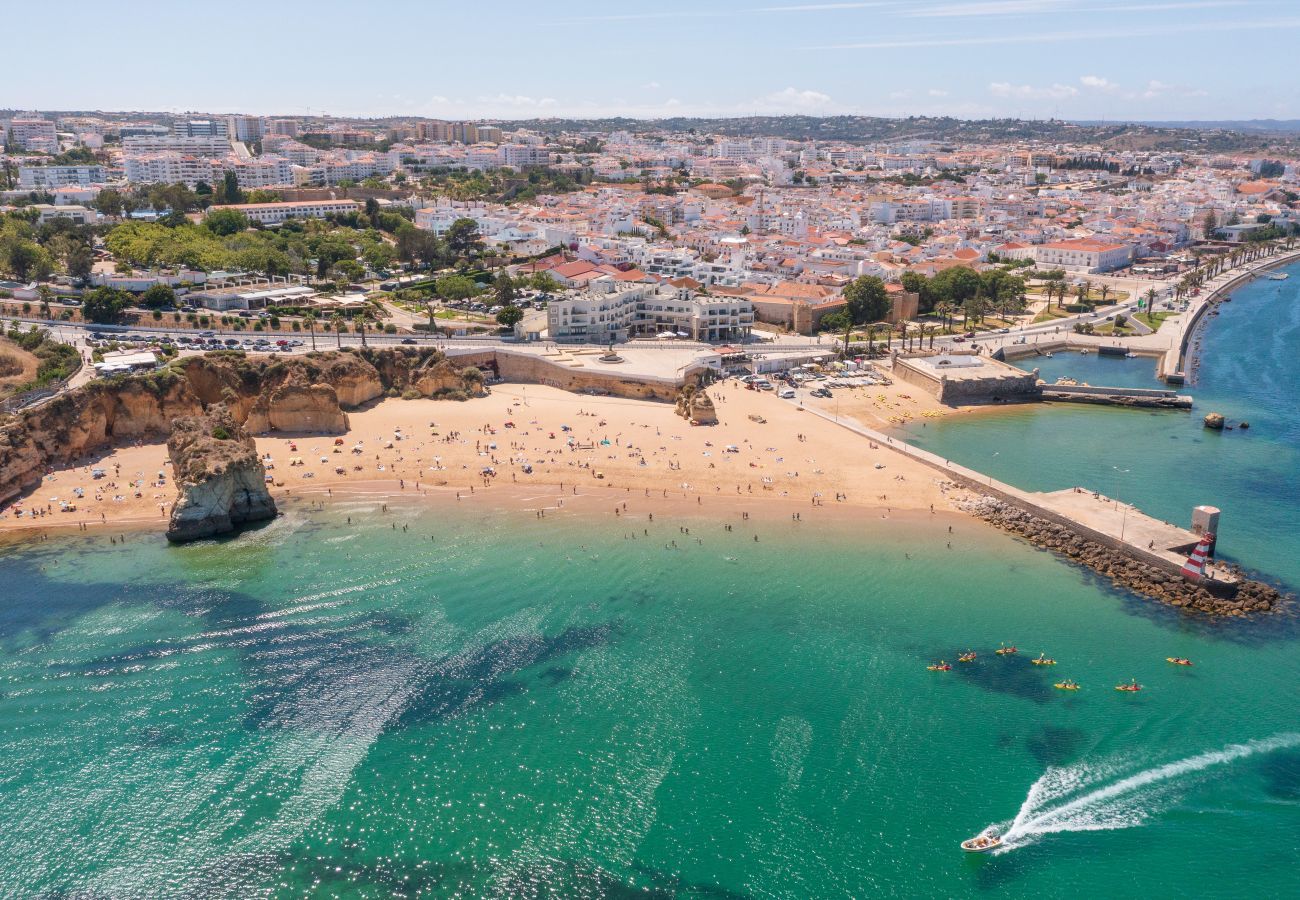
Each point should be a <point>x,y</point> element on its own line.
<point>1102,797</point>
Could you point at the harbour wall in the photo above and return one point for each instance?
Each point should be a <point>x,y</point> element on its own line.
<point>1133,566</point>
<point>581,378</point>
<point>1173,365</point>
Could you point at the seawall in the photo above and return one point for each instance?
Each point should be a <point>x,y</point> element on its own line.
<point>1150,571</point>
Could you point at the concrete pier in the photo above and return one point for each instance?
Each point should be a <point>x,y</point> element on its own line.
<point>1117,526</point>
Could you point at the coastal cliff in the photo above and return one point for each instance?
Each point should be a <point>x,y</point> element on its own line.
<point>696,406</point>
<point>220,479</point>
<point>305,394</point>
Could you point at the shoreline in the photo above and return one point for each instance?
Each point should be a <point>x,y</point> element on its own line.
<point>764,450</point>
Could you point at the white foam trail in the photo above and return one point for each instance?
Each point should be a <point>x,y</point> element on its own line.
<point>1055,802</point>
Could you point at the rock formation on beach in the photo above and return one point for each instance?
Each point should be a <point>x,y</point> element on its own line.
<point>695,404</point>
<point>219,477</point>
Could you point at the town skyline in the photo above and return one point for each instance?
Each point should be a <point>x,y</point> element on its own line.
<point>1107,60</point>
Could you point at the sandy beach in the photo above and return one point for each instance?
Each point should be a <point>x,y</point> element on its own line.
<point>763,449</point>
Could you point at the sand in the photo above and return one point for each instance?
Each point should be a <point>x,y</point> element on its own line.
<point>442,451</point>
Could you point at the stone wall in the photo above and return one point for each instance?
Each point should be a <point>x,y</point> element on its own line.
<point>591,377</point>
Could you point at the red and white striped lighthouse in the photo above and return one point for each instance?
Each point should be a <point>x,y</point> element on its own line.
<point>1194,568</point>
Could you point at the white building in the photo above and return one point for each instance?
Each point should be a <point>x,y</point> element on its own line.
<point>520,156</point>
<point>611,312</point>
<point>244,128</point>
<point>195,146</point>
<point>169,168</point>
<point>275,213</point>
<point>1083,255</point>
<point>36,177</point>
<point>199,128</point>
<point>33,135</point>
<point>79,214</point>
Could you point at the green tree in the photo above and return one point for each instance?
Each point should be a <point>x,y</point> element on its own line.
<point>504,288</point>
<point>510,316</point>
<point>109,202</point>
<point>310,321</point>
<point>158,296</point>
<point>222,222</point>
<point>867,299</point>
<point>228,191</point>
<point>103,305</point>
<point>455,287</point>
<point>544,282</point>
<point>463,239</point>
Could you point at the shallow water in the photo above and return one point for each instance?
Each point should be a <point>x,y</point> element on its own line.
<point>551,709</point>
<point>525,708</point>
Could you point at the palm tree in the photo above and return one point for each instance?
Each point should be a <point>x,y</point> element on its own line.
<point>433,328</point>
<point>336,322</point>
<point>310,321</point>
<point>1151,305</point>
<point>360,325</point>
<point>1105,292</point>
<point>945,311</point>
<point>46,293</point>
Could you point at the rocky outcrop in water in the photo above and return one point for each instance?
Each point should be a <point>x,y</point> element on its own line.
<point>219,477</point>
<point>1142,577</point>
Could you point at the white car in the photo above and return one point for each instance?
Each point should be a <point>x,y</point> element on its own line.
<point>786,393</point>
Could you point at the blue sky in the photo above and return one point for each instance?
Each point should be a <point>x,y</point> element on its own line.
<point>1081,59</point>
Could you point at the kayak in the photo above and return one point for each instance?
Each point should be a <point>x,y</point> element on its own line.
<point>1006,651</point>
<point>940,668</point>
<point>1043,662</point>
<point>981,843</point>
<point>1128,688</point>
<point>966,657</point>
<point>1063,686</point>
<point>1178,661</point>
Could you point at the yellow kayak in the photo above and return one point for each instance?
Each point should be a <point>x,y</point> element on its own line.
<point>1066,686</point>
<point>966,657</point>
<point>1006,651</point>
<point>1041,661</point>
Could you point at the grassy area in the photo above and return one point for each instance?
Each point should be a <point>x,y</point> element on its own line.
<point>1051,313</point>
<point>1154,320</point>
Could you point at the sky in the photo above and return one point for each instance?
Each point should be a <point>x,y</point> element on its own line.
<point>1143,60</point>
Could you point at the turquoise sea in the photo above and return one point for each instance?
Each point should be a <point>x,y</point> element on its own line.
<point>525,708</point>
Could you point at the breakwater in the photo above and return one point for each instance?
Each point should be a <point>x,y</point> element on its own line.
<point>1143,554</point>
<point>1145,398</point>
<point>1113,559</point>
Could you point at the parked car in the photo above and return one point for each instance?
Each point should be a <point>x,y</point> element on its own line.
<point>786,393</point>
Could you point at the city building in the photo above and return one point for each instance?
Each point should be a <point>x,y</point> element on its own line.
<point>44,177</point>
<point>1083,255</point>
<point>32,134</point>
<point>275,213</point>
<point>612,312</point>
<point>244,128</point>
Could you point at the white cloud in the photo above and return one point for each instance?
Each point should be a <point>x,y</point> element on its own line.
<point>1096,82</point>
<point>517,101</point>
<point>651,85</point>
<point>794,100</point>
<point>1029,92</point>
<point>1156,89</point>
<point>936,92</point>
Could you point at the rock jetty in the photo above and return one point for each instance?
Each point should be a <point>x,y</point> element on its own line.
<point>1133,573</point>
<point>219,477</point>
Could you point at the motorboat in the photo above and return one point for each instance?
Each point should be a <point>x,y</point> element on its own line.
<point>1178,660</point>
<point>982,843</point>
